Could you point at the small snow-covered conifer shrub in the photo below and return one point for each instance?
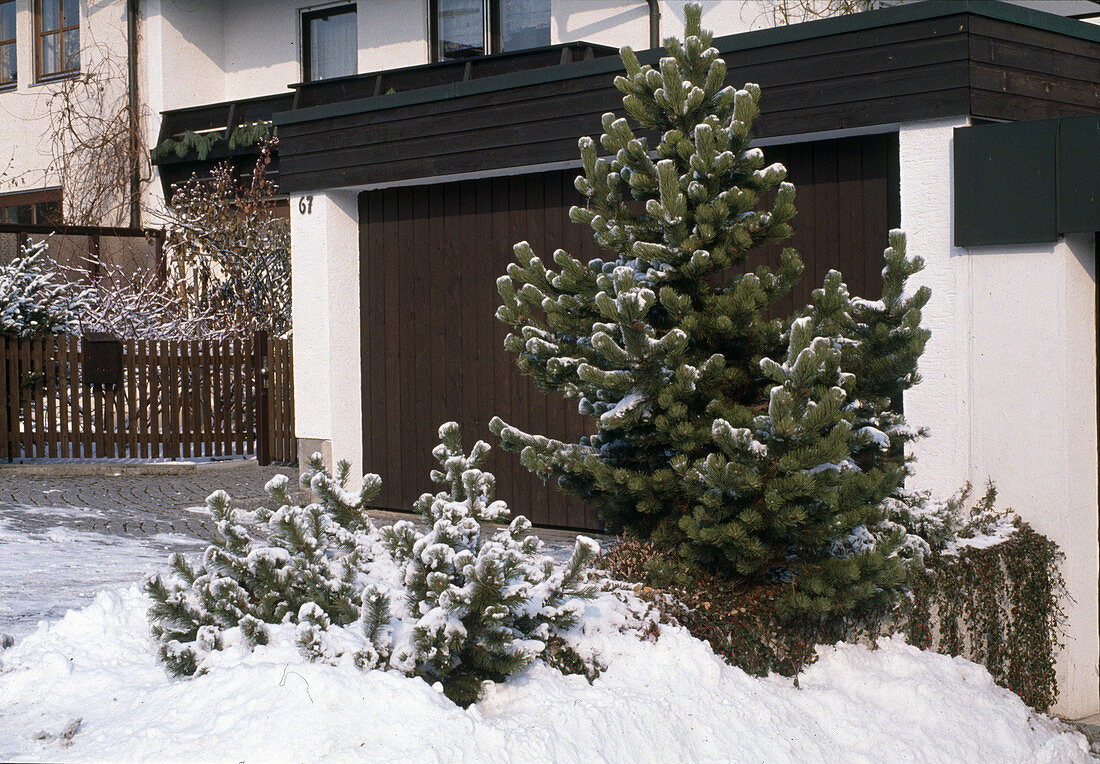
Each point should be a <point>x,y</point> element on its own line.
<point>484,607</point>
<point>307,569</point>
<point>35,301</point>
<point>762,447</point>
<point>446,603</point>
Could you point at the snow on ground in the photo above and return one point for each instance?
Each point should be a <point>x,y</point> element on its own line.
<point>47,568</point>
<point>665,700</point>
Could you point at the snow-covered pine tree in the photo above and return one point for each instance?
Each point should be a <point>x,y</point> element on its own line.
<point>35,301</point>
<point>753,466</point>
<point>484,607</point>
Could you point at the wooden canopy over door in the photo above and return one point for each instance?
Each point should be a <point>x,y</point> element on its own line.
<point>432,347</point>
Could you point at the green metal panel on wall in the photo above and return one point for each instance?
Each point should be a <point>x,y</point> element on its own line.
<point>1005,183</point>
<point>1079,174</point>
<point>1026,182</point>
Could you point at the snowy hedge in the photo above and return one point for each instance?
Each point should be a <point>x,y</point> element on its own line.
<point>449,604</point>
<point>34,299</point>
<point>987,587</point>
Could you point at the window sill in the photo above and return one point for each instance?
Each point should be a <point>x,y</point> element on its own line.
<point>52,78</point>
<point>9,87</point>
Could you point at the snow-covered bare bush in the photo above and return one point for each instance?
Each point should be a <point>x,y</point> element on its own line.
<point>35,300</point>
<point>445,604</point>
<point>227,247</point>
<point>143,307</point>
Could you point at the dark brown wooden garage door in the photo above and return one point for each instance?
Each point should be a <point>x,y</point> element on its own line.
<point>432,348</point>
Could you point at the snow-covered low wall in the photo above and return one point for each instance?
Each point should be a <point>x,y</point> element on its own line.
<point>1009,390</point>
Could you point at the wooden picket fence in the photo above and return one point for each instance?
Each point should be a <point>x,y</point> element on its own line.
<point>169,400</point>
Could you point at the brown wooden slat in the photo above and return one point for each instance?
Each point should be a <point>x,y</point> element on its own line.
<point>1036,85</point>
<point>273,392</point>
<point>292,440</point>
<point>226,406</point>
<point>72,396</point>
<point>276,387</point>
<point>26,392</point>
<point>250,397</point>
<point>175,390</point>
<point>62,395</point>
<point>166,382</point>
<point>186,412</point>
<point>37,377</point>
<point>107,424</point>
<point>16,407</point>
<point>434,401</point>
<point>129,359</point>
<point>120,436</point>
<point>238,396</point>
<point>284,404</point>
<point>284,408</point>
<point>5,393</point>
<point>195,372</point>
<point>483,336</point>
<point>215,397</point>
<point>51,396</point>
<point>390,436</point>
<point>141,401</point>
<point>207,383</point>
<point>372,361</point>
<point>87,413</point>
<point>153,409</point>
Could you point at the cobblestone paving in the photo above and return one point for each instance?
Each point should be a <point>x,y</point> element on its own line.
<point>131,505</point>
<point>65,537</point>
<point>141,506</point>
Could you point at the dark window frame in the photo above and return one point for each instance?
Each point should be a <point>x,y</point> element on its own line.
<point>4,42</point>
<point>491,9</point>
<point>61,32</point>
<point>307,15</point>
<point>37,201</point>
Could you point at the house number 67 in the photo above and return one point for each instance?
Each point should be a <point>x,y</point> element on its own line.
<point>305,205</point>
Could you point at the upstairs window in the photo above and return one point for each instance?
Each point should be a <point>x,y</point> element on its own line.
<point>330,43</point>
<point>7,44</point>
<point>522,24</point>
<point>460,29</point>
<point>57,37</point>
<point>464,28</point>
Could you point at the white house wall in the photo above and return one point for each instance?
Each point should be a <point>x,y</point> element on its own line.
<point>1009,388</point>
<point>25,151</point>
<point>328,409</point>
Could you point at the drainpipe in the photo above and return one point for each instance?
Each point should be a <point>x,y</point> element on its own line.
<point>654,23</point>
<point>135,122</point>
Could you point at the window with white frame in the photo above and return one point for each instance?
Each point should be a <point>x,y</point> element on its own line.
<point>330,43</point>
<point>464,28</point>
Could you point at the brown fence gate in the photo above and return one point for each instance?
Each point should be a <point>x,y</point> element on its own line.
<point>98,397</point>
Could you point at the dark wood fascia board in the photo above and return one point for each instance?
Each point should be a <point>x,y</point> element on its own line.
<point>288,96</point>
<point>885,17</point>
<point>81,230</point>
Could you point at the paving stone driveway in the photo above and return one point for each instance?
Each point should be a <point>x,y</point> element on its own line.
<point>132,505</point>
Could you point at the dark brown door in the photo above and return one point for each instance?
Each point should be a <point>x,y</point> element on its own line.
<point>432,347</point>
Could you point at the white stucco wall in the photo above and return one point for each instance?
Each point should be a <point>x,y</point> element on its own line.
<point>626,22</point>
<point>325,260</point>
<point>1009,388</point>
<point>25,150</point>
